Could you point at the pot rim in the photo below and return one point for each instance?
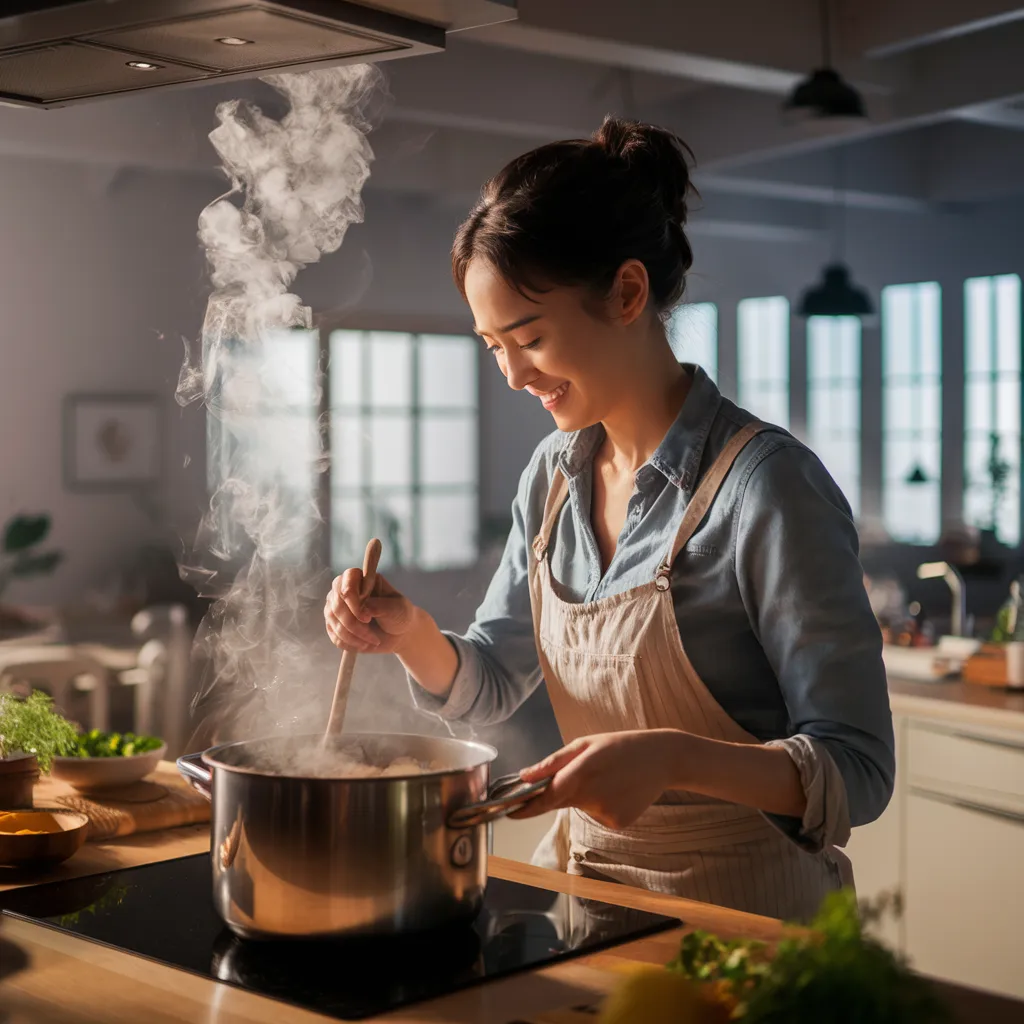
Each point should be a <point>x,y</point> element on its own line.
<point>19,755</point>
<point>487,752</point>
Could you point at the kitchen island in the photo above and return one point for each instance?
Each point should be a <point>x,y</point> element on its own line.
<point>51,976</point>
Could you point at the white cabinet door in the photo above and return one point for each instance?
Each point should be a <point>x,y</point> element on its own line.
<point>875,850</point>
<point>964,891</point>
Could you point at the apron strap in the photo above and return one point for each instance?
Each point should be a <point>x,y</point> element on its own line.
<point>705,495</point>
<point>557,494</point>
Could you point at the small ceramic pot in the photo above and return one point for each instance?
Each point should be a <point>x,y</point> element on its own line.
<point>18,774</point>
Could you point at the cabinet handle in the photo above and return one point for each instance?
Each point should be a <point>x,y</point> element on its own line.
<point>989,741</point>
<point>1017,817</point>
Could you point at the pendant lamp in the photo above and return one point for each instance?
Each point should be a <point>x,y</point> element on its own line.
<point>824,94</point>
<point>836,294</point>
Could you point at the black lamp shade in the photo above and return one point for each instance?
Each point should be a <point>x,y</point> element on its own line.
<point>824,94</point>
<point>836,295</point>
<point>917,476</point>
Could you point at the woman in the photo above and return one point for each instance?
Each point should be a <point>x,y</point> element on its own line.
<point>684,579</point>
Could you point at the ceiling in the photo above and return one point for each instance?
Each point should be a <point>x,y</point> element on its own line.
<point>943,81</point>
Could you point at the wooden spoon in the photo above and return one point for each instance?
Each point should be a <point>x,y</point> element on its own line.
<point>336,719</point>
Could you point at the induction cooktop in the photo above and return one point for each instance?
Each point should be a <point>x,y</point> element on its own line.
<point>164,912</point>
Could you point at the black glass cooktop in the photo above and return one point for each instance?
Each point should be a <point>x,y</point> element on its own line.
<point>164,912</point>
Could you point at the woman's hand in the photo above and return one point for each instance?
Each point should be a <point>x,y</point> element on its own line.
<point>614,777</point>
<point>367,624</point>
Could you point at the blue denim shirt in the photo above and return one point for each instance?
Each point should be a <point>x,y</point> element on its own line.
<point>769,597</point>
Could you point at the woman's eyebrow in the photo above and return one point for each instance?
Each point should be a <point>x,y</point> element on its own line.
<point>522,322</point>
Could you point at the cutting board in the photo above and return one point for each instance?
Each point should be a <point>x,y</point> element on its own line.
<point>987,667</point>
<point>162,800</point>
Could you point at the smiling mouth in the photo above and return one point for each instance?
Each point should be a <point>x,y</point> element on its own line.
<point>549,398</point>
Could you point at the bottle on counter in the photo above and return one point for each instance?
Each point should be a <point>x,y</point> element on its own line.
<point>1010,617</point>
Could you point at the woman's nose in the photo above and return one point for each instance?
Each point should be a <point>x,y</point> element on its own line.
<point>518,372</point>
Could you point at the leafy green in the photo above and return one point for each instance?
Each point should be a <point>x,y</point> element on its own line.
<point>113,744</point>
<point>112,897</point>
<point>833,972</point>
<point>19,558</point>
<point>25,531</point>
<point>31,726</point>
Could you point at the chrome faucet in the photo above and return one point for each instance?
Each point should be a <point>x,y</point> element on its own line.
<point>955,582</point>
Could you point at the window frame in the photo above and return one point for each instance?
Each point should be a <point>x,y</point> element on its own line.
<point>916,378</point>
<point>415,326</point>
<point>742,398</point>
<point>992,377</point>
<point>831,384</point>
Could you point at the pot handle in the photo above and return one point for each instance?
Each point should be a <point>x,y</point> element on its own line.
<point>506,795</point>
<point>196,774</point>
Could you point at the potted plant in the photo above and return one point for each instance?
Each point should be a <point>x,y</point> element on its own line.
<point>20,558</point>
<point>31,735</point>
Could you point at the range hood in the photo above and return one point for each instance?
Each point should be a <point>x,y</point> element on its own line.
<point>56,52</point>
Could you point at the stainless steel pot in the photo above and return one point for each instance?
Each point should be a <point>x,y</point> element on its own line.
<point>316,857</point>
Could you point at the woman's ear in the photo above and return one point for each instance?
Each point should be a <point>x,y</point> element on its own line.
<point>629,293</point>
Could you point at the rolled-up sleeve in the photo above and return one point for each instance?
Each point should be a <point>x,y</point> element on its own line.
<point>801,581</point>
<point>498,663</point>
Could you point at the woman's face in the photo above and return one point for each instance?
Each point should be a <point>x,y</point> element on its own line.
<point>562,346</point>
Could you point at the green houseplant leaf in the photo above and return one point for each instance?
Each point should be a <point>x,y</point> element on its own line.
<point>35,565</point>
<point>23,532</point>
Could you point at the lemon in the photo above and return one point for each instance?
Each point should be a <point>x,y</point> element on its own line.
<point>653,995</point>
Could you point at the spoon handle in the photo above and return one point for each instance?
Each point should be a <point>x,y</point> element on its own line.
<point>336,719</point>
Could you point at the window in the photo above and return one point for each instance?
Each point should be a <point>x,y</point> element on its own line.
<point>763,354</point>
<point>912,411</point>
<point>833,399</point>
<point>693,334</point>
<point>992,436</point>
<point>404,431</point>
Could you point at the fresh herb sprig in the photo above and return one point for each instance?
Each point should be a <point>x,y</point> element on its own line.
<point>32,726</point>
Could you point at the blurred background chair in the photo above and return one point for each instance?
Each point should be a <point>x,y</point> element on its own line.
<point>79,685</point>
<point>161,677</point>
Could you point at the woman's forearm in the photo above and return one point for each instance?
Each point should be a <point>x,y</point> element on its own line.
<point>428,655</point>
<point>742,773</point>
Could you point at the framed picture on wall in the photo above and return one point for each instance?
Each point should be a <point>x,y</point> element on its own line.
<point>111,442</point>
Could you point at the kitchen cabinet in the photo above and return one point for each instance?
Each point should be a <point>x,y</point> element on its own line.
<point>964,848</point>
<point>876,849</point>
<point>964,895</point>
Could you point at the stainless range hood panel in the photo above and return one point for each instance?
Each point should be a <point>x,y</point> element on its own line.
<point>53,53</point>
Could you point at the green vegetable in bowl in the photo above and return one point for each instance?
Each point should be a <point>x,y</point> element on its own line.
<point>114,744</point>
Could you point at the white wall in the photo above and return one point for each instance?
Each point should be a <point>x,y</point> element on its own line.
<point>100,277</point>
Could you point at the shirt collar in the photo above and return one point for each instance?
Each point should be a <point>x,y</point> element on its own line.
<point>679,455</point>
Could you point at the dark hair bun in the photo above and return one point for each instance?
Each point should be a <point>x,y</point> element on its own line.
<point>573,212</point>
<point>654,153</point>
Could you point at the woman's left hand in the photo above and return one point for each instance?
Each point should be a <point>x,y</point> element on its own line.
<point>614,777</point>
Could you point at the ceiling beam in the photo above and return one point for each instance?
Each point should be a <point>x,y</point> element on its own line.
<point>729,128</point>
<point>883,28</point>
<point>745,44</point>
<point>995,115</point>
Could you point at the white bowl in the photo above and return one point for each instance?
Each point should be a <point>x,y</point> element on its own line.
<point>959,646</point>
<point>94,773</point>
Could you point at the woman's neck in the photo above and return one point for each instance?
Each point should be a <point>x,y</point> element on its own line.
<point>649,406</point>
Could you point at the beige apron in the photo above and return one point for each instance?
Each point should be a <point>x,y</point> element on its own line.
<point>618,663</point>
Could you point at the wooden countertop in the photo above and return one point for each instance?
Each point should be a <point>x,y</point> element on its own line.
<point>50,977</point>
<point>72,980</point>
<point>956,701</point>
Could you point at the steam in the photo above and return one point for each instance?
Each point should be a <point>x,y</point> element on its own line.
<point>296,188</point>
